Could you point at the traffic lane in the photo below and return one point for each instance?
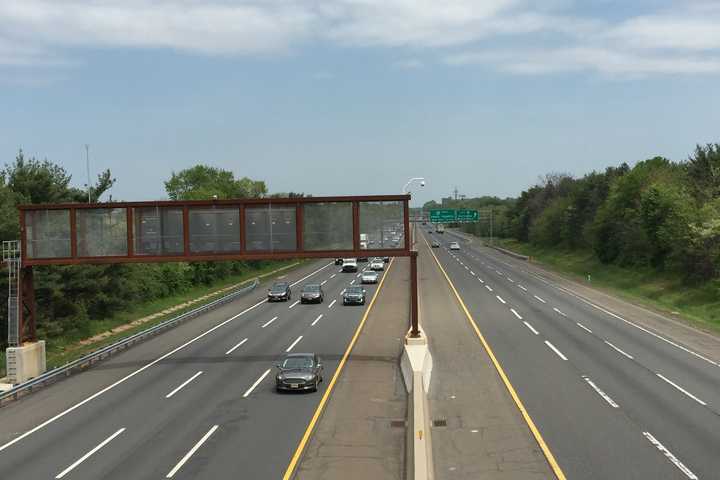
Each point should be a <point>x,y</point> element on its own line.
<point>653,405</point>
<point>698,376</point>
<point>131,397</point>
<point>21,416</point>
<point>589,440</point>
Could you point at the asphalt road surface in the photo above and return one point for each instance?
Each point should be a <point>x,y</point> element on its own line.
<point>195,403</point>
<point>612,400</point>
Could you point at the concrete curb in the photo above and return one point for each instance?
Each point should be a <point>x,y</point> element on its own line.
<point>416,365</point>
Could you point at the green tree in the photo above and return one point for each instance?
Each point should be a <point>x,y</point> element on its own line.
<point>202,182</point>
<point>703,169</point>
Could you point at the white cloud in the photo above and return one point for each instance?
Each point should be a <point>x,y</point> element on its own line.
<point>578,59</point>
<point>517,36</point>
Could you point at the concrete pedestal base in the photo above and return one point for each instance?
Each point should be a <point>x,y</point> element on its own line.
<point>26,362</point>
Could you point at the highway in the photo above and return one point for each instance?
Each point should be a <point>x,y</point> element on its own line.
<point>195,403</point>
<point>611,398</point>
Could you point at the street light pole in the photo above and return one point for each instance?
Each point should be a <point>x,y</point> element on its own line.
<point>87,167</point>
<point>414,323</point>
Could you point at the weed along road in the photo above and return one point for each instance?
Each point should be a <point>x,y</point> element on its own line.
<point>198,402</point>
<point>612,398</point>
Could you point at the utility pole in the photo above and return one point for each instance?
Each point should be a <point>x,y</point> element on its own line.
<point>455,192</point>
<point>87,167</point>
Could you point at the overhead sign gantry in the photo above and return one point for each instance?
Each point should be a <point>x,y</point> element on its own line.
<point>210,230</point>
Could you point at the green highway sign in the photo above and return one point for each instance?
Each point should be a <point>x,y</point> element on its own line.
<point>468,216</point>
<point>449,215</point>
<point>446,215</point>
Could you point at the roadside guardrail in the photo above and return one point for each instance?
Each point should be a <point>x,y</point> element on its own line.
<point>103,353</point>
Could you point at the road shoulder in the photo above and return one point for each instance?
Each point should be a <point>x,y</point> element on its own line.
<point>485,436</point>
<point>354,438</point>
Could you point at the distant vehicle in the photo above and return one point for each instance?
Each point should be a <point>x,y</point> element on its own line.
<point>377,265</point>
<point>354,295</point>
<point>386,259</point>
<point>279,292</point>
<point>424,222</point>
<point>435,244</point>
<point>430,232</point>
<point>299,371</point>
<point>349,265</point>
<point>312,293</point>
<point>362,259</point>
<point>440,229</point>
<point>454,246</point>
<point>369,277</point>
<point>338,261</point>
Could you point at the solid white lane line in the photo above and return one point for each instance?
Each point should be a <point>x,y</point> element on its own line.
<point>90,453</point>
<point>235,347</point>
<point>257,382</point>
<point>643,329</point>
<point>332,303</point>
<point>682,389</point>
<point>531,328</point>
<point>191,452</point>
<point>489,288</point>
<point>539,299</point>
<point>673,459</point>
<point>604,395</point>
<point>296,302</point>
<point>618,350</point>
<point>559,353</point>
<point>522,288</point>
<point>323,282</point>
<point>559,312</point>
<point>294,343</point>
<point>500,299</point>
<point>316,320</point>
<point>268,323</point>
<point>145,367</point>
<point>516,314</point>
<point>182,385</point>
<point>583,327</point>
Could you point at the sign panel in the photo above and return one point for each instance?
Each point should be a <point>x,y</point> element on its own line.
<point>446,215</point>
<point>468,216</point>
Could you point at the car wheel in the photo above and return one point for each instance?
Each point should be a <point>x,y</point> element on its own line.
<point>315,387</point>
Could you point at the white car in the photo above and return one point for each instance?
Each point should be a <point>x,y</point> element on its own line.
<point>454,246</point>
<point>369,277</point>
<point>377,265</point>
<point>349,265</point>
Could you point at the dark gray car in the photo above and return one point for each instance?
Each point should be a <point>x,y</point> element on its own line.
<point>312,293</point>
<point>299,371</point>
<point>280,291</point>
<point>354,296</point>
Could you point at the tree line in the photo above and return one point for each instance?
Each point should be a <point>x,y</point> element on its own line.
<point>660,214</point>
<point>70,298</point>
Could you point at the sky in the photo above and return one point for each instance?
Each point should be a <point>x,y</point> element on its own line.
<point>357,96</point>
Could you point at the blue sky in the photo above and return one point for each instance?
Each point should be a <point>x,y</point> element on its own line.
<point>356,96</point>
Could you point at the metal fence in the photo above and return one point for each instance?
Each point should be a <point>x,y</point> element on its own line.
<point>103,353</point>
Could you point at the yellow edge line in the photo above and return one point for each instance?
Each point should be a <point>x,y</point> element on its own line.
<point>311,426</point>
<point>536,433</point>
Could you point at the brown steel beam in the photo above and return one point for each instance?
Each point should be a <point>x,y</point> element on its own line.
<point>414,323</point>
<point>27,318</point>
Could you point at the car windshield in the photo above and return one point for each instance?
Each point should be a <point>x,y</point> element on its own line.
<point>354,290</point>
<point>279,287</point>
<point>311,288</point>
<point>297,362</point>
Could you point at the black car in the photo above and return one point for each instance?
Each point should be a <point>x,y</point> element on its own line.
<point>338,261</point>
<point>279,292</point>
<point>386,259</point>
<point>312,293</point>
<point>299,371</point>
<point>354,295</point>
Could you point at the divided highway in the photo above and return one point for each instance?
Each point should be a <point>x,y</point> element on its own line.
<point>611,398</point>
<point>202,407</point>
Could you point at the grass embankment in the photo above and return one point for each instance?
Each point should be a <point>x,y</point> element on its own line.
<point>699,304</point>
<point>61,350</point>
